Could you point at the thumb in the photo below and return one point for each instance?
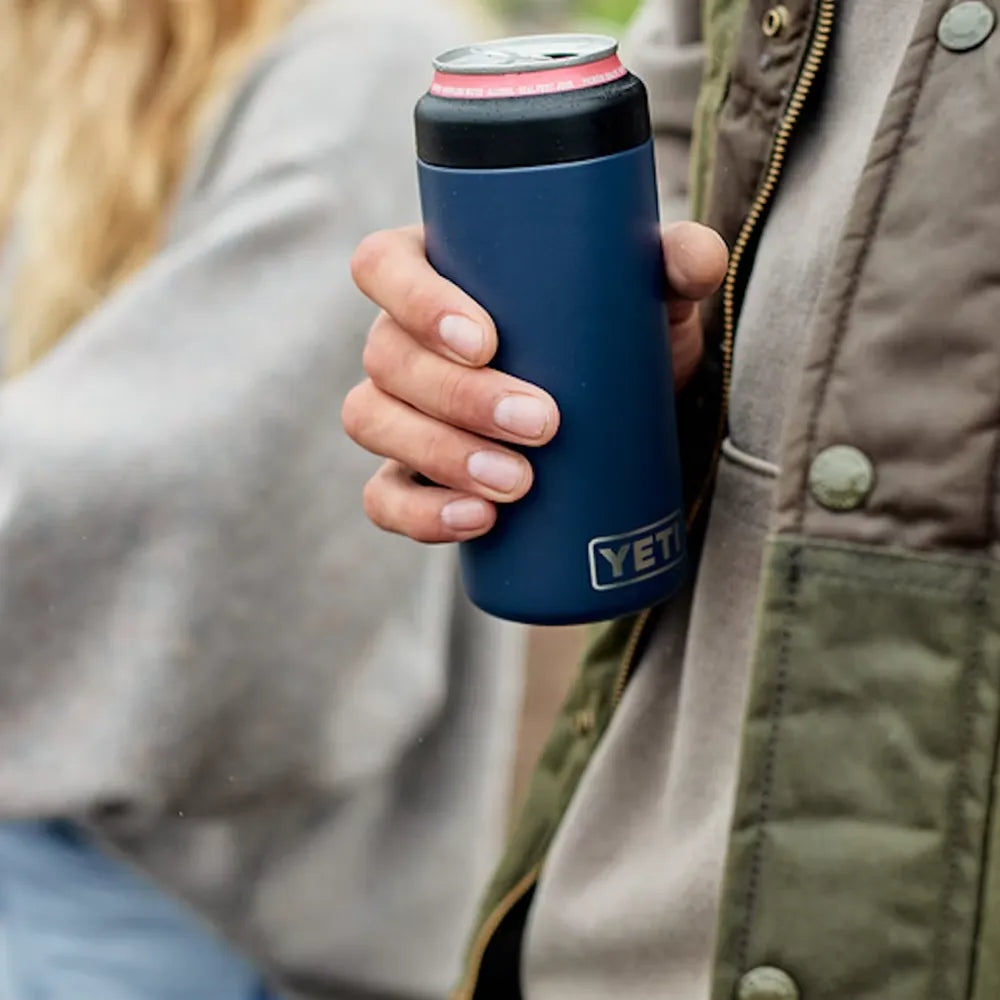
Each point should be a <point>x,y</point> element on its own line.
<point>687,343</point>
<point>696,259</point>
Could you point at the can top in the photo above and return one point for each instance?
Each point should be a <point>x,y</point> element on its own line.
<point>530,101</point>
<point>527,54</point>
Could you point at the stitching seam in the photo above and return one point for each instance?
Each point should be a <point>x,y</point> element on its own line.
<point>854,280</point>
<point>792,579</point>
<point>887,585</point>
<point>961,790</point>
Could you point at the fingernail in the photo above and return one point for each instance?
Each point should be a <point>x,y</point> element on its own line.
<point>496,470</point>
<point>464,515</point>
<point>522,415</point>
<point>464,336</point>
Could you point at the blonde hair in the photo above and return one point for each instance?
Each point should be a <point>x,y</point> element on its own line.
<point>100,103</point>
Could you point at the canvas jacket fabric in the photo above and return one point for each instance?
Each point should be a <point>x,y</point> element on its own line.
<point>862,856</point>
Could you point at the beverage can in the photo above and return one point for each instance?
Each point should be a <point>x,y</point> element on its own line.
<point>538,189</point>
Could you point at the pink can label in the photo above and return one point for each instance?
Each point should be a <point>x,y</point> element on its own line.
<point>475,86</point>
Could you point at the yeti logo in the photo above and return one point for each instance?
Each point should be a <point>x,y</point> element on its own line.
<point>621,560</point>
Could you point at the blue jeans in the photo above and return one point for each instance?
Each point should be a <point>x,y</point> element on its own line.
<point>76,924</point>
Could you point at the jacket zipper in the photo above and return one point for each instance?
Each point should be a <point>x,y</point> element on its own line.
<point>467,989</point>
<point>818,45</point>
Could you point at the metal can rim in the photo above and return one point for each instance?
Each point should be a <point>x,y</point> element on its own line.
<point>588,48</point>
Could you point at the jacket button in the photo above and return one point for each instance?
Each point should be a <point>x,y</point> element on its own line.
<point>966,26</point>
<point>841,477</point>
<point>775,20</point>
<point>767,983</point>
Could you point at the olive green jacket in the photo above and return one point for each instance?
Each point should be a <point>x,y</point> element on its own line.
<point>864,858</point>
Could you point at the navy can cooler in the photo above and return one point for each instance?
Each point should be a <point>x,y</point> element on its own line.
<point>539,199</point>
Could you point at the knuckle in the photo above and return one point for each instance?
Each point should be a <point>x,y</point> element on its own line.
<point>377,356</point>
<point>398,509</point>
<point>457,397</point>
<point>438,455</point>
<point>354,412</point>
<point>368,256</point>
<point>373,358</point>
<point>374,502</point>
<point>421,306</point>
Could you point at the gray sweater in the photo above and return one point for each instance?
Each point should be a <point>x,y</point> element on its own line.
<point>294,722</point>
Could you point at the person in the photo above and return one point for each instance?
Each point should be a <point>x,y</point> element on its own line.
<point>221,690</point>
<point>794,799</point>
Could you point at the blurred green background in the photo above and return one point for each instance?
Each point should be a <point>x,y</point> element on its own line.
<point>565,13</point>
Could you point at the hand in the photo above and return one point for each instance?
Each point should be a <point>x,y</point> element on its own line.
<point>431,406</point>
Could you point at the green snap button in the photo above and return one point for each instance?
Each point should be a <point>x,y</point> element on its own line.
<point>841,477</point>
<point>966,26</point>
<point>767,983</point>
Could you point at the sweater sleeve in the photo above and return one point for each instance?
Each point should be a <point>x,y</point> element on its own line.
<point>664,47</point>
<point>194,612</point>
